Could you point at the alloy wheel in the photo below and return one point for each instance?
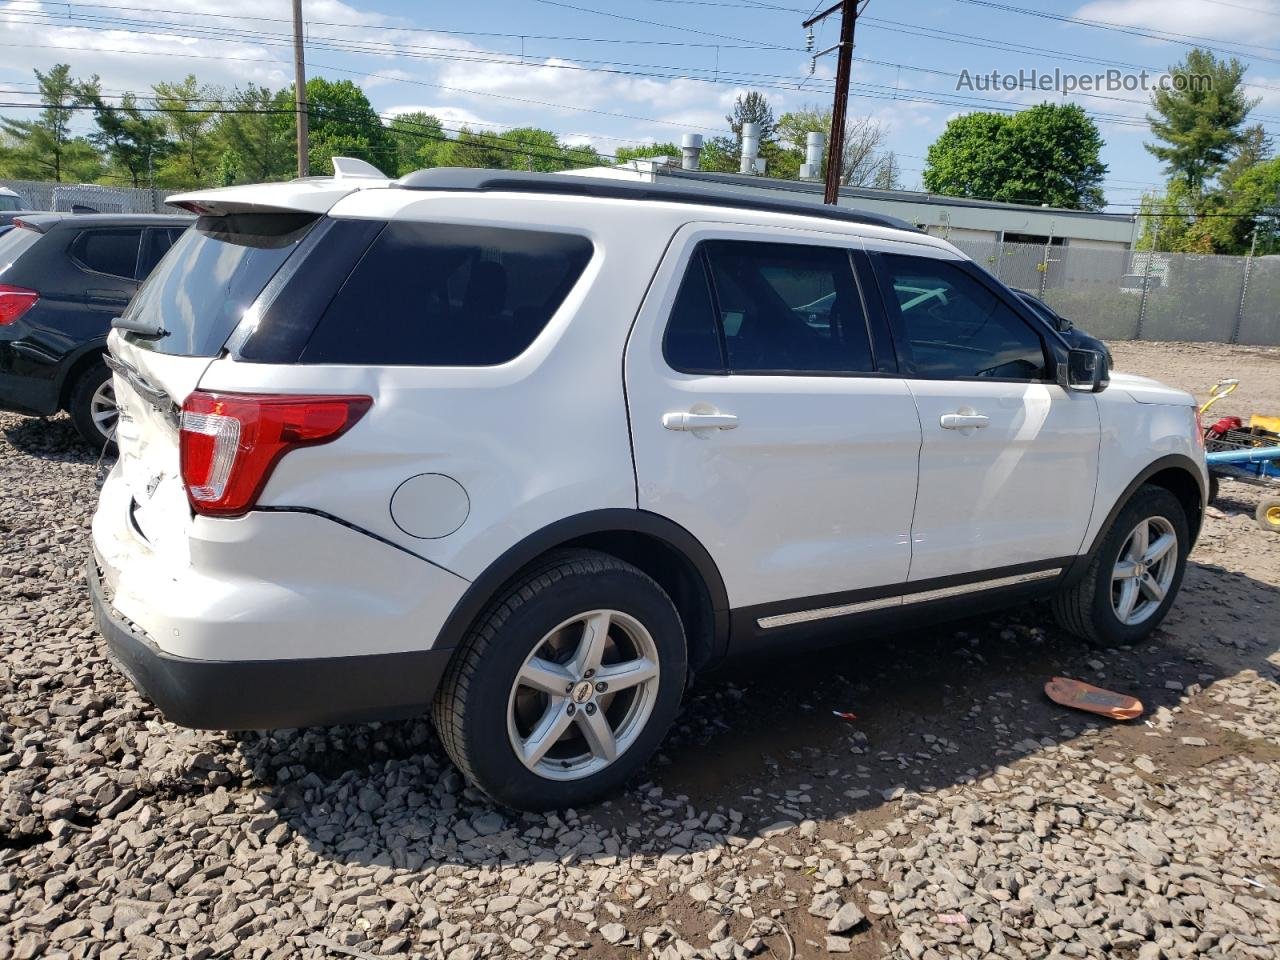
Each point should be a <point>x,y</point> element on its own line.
<point>103,410</point>
<point>1144,571</point>
<point>583,695</point>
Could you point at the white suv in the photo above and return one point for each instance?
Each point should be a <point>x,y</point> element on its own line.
<point>529,450</point>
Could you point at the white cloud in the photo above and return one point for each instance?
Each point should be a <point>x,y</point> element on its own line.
<point>450,117</point>
<point>1240,20</point>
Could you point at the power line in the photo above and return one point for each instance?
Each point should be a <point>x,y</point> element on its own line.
<point>1167,36</point>
<point>428,30</point>
<point>665,26</point>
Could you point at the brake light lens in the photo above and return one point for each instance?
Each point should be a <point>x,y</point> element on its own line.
<point>14,302</point>
<point>229,443</point>
<point>1200,428</point>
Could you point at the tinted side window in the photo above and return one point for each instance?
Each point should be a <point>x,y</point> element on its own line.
<point>691,343</point>
<point>788,308</point>
<point>155,245</point>
<point>114,252</point>
<point>955,327</point>
<point>430,294</point>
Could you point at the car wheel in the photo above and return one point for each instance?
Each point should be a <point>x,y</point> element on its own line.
<point>92,406</point>
<point>566,684</point>
<point>1133,578</point>
<point>1268,514</point>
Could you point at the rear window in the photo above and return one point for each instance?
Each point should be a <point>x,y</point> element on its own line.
<point>211,276</point>
<point>429,294</point>
<point>15,242</point>
<point>113,252</point>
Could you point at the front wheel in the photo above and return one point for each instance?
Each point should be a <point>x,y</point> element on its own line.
<point>1134,576</point>
<point>566,685</point>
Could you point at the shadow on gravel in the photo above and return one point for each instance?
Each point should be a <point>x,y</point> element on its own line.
<point>934,708</point>
<point>50,439</point>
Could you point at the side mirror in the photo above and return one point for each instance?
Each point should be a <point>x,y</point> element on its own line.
<point>1085,371</point>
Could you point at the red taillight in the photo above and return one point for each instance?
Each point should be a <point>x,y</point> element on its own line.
<point>230,442</point>
<point>1200,428</point>
<point>14,302</point>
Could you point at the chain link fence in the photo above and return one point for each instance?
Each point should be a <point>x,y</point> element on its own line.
<point>1113,294</point>
<point>88,197</point>
<point>1127,295</point>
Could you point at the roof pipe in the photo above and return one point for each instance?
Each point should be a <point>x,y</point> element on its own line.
<point>750,148</point>
<point>815,145</point>
<point>691,151</point>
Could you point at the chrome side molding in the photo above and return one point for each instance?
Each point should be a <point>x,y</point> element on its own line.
<point>904,599</point>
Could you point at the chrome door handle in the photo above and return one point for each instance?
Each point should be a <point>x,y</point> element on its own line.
<point>699,421</point>
<point>961,421</point>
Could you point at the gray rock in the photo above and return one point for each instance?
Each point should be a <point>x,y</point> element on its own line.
<point>845,919</point>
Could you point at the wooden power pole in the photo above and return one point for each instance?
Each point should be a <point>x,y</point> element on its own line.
<point>848,10</point>
<point>300,91</point>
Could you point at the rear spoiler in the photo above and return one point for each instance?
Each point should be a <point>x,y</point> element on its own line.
<point>18,222</point>
<point>312,195</point>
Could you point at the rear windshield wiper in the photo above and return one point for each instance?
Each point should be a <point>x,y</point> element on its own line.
<point>141,327</point>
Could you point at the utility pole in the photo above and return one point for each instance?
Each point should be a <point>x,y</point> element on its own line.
<point>300,91</point>
<point>848,10</point>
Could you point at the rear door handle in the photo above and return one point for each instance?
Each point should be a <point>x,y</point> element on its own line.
<point>962,421</point>
<point>699,421</point>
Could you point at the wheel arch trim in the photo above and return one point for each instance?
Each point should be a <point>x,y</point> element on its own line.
<point>619,520</point>
<point>1174,461</point>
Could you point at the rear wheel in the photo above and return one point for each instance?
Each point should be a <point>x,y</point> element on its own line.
<point>566,685</point>
<point>92,406</point>
<point>1134,576</point>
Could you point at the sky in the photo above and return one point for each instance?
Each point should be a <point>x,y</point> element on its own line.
<point>618,73</point>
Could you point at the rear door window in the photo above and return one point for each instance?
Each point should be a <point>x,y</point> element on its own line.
<point>113,252</point>
<point>776,307</point>
<point>433,294</point>
<point>216,271</point>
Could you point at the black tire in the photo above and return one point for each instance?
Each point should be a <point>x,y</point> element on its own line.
<point>471,706</point>
<point>80,407</point>
<point>1268,514</point>
<point>1086,608</point>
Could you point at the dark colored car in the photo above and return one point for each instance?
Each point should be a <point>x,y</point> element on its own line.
<point>1077,337</point>
<point>63,279</point>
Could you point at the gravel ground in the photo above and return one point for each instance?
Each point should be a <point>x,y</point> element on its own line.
<point>961,814</point>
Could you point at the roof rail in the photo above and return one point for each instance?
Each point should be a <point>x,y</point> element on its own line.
<point>466,179</point>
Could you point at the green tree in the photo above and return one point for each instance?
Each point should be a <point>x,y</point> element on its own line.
<point>862,157</point>
<point>1198,124</point>
<point>44,148</point>
<point>419,140</point>
<point>256,143</point>
<point>189,112</point>
<point>646,152</point>
<point>475,148</point>
<point>752,108</point>
<point>343,123</point>
<point>1048,154</point>
<point>132,140</point>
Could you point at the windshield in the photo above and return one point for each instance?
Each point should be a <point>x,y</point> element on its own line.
<point>13,243</point>
<point>210,277</point>
<point>10,203</point>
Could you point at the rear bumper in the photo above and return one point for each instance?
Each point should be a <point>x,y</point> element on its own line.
<point>267,694</point>
<point>26,395</point>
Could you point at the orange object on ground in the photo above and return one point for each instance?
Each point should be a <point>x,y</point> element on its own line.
<point>1085,696</point>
